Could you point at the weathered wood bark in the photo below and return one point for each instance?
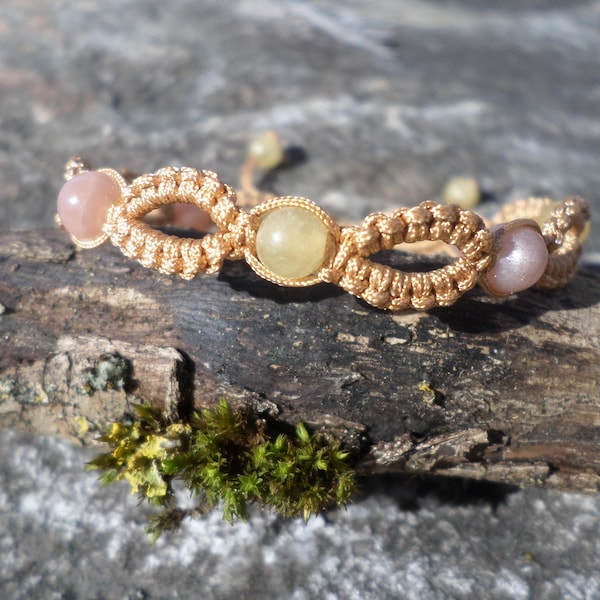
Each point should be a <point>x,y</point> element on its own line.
<point>504,391</point>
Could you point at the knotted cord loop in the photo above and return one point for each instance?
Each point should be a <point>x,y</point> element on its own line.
<point>386,287</point>
<point>562,233</point>
<point>185,257</point>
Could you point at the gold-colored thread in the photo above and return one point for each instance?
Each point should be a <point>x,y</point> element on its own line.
<point>347,262</point>
<point>76,165</point>
<point>386,287</point>
<point>185,257</point>
<point>561,233</point>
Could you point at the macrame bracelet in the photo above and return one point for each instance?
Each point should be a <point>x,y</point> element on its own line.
<point>291,241</point>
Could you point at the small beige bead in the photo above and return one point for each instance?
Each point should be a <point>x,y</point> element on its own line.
<point>292,242</point>
<point>462,191</point>
<point>266,150</point>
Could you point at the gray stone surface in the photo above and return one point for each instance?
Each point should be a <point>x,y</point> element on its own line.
<point>387,99</point>
<point>64,537</point>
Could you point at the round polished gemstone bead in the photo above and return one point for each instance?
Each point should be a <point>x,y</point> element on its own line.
<point>83,204</point>
<point>521,258</point>
<point>266,150</point>
<point>291,242</point>
<point>462,191</point>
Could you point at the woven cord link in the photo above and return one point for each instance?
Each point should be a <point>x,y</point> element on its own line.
<point>385,287</point>
<point>347,265</point>
<point>561,233</point>
<point>185,257</point>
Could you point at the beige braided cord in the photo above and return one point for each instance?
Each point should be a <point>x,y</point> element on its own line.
<point>346,262</point>
<point>385,287</point>
<point>185,257</point>
<point>562,232</point>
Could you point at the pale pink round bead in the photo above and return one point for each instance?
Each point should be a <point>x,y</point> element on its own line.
<point>189,216</point>
<point>83,204</point>
<point>521,258</point>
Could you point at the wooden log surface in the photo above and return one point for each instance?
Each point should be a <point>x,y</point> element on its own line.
<point>499,390</point>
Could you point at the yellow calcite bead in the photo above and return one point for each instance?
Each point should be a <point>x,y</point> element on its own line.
<point>291,242</point>
<point>266,150</point>
<point>462,191</point>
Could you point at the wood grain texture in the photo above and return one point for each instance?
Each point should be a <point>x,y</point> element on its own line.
<point>504,391</point>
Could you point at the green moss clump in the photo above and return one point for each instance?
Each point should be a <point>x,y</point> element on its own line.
<point>225,456</point>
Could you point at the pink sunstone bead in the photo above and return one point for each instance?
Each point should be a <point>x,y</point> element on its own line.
<point>189,216</point>
<point>83,204</point>
<point>521,258</point>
